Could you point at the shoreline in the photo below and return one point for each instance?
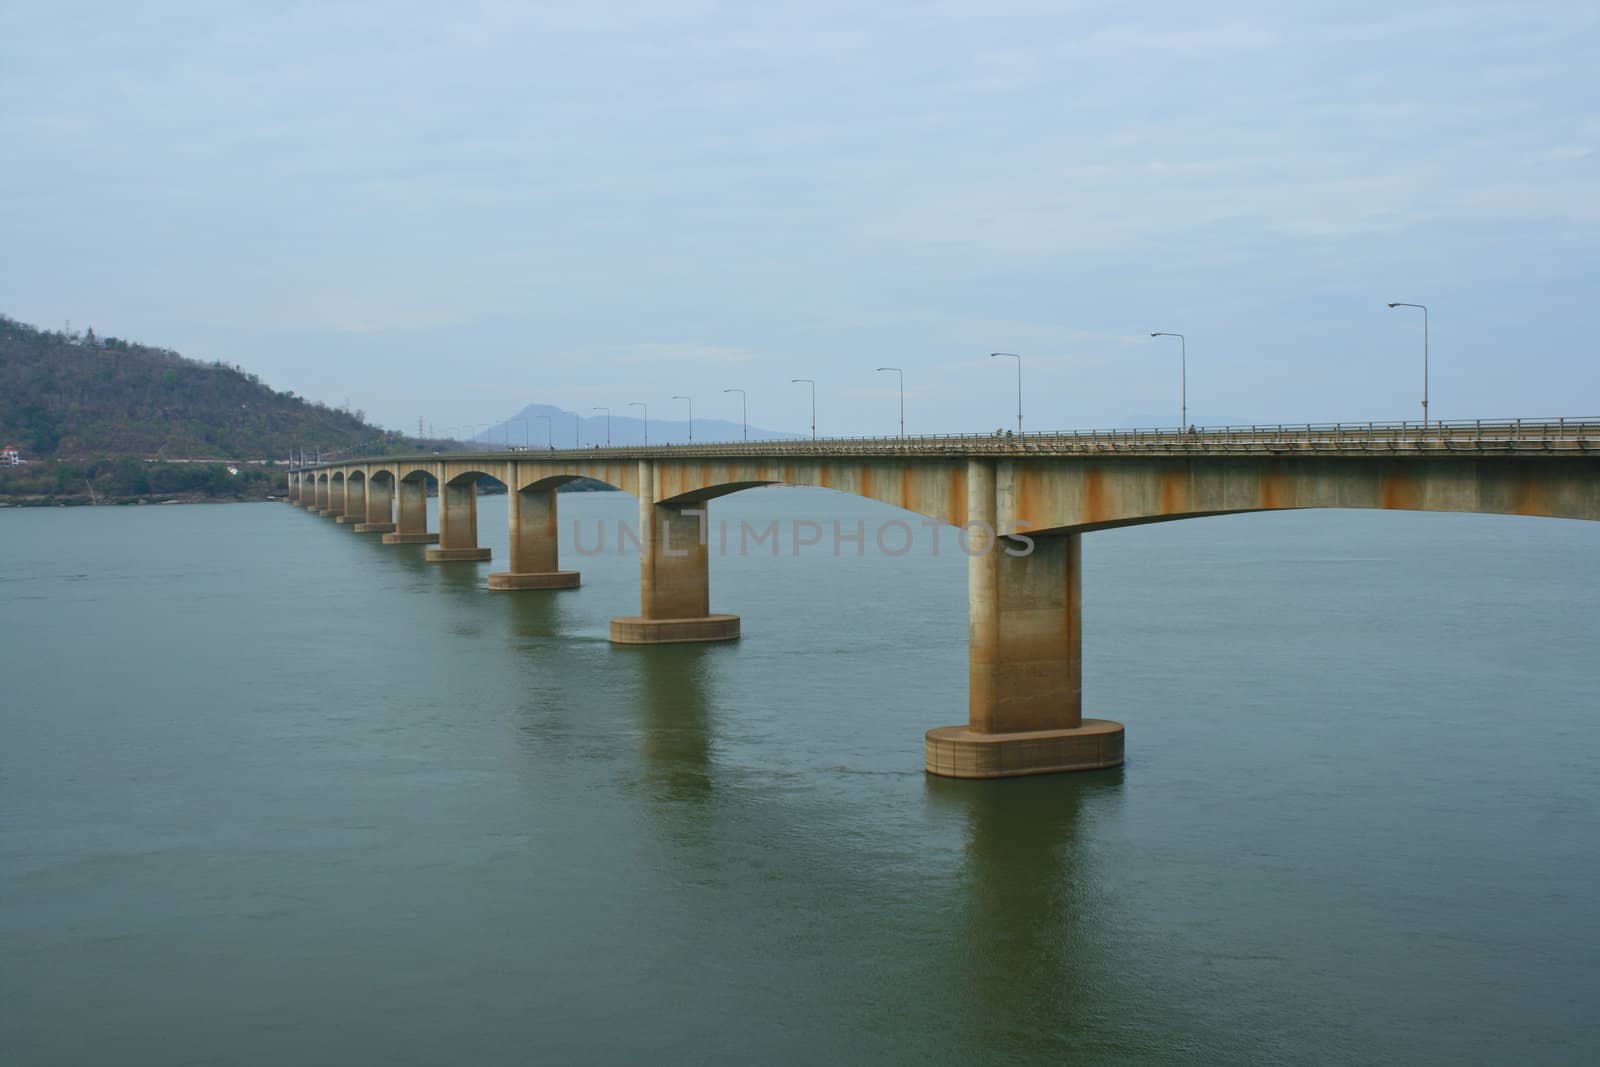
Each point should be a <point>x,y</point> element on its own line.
<point>84,501</point>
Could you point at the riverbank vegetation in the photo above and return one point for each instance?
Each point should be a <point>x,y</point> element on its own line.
<point>78,396</point>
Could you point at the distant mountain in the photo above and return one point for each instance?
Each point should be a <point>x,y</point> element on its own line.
<point>77,396</point>
<point>538,423</point>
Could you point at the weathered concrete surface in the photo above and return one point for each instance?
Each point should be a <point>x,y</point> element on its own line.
<point>1024,649</point>
<point>336,497</point>
<point>355,498</point>
<point>411,538</point>
<point>374,527</point>
<point>961,752</point>
<point>380,501</point>
<point>1024,656</point>
<point>509,581</point>
<point>674,574</point>
<point>535,551</point>
<point>456,555</point>
<point>411,514</point>
<point>1037,493</point>
<point>635,630</point>
<point>458,522</point>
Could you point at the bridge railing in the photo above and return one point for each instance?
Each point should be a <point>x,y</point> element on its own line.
<point>1475,435</point>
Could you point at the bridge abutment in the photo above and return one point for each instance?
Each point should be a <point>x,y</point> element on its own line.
<point>1024,657</point>
<point>411,514</point>
<point>458,523</point>
<point>674,575</point>
<point>535,550</point>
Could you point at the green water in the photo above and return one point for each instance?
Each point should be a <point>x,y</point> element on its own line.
<point>273,793</point>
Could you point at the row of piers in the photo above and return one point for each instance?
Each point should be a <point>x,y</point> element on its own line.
<point>1025,713</point>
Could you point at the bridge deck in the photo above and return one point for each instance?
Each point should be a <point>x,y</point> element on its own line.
<point>1484,436</point>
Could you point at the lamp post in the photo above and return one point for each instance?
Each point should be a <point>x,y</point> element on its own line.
<point>795,381</point>
<point>902,375</point>
<point>1424,307</point>
<point>597,407</point>
<point>640,404</point>
<point>1183,370</point>
<point>744,412</point>
<point>691,415</point>
<point>577,430</point>
<point>549,428</point>
<point>1018,358</point>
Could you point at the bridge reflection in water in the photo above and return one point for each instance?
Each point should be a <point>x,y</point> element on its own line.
<point>1027,500</point>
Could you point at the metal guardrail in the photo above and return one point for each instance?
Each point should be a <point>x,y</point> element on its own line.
<point>1498,436</point>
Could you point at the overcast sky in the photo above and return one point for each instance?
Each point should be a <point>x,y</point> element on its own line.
<point>453,210</point>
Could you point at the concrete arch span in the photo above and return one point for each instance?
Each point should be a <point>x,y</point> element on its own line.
<point>1025,713</point>
<point>1068,495</point>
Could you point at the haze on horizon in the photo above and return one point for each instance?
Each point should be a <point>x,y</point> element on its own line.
<point>453,216</point>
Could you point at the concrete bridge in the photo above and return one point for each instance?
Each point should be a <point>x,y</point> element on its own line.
<point>1037,494</point>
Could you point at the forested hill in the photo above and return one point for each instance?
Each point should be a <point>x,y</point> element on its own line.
<point>78,395</point>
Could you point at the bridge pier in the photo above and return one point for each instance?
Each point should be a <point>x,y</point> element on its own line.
<point>379,517</point>
<point>674,575</point>
<point>458,523</point>
<point>1024,659</point>
<point>534,543</point>
<point>322,498</point>
<point>411,514</point>
<point>355,502</point>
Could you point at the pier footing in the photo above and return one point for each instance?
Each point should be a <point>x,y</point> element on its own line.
<point>548,580</point>
<point>958,752</point>
<point>635,630</point>
<point>410,538</point>
<point>456,555</point>
<point>347,520</point>
<point>374,527</point>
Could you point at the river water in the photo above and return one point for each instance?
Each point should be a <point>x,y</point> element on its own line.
<point>274,793</point>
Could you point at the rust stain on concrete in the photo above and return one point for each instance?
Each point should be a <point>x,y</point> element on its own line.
<point>958,496</point>
<point>1171,493</point>
<point>1274,489</point>
<point>905,486</point>
<point>1399,492</point>
<point>1530,497</point>
<point>864,481</point>
<point>1027,507</point>
<point>1094,496</point>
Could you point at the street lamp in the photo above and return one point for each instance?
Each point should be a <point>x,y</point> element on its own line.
<point>641,404</point>
<point>691,415</point>
<point>1183,365</point>
<point>1018,358</point>
<point>744,411</point>
<point>597,407</point>
<point>1400,304</point>
<point>577,430</point>
<point>795,381</point>
<point>549,428</point>
<point>902,375</point>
